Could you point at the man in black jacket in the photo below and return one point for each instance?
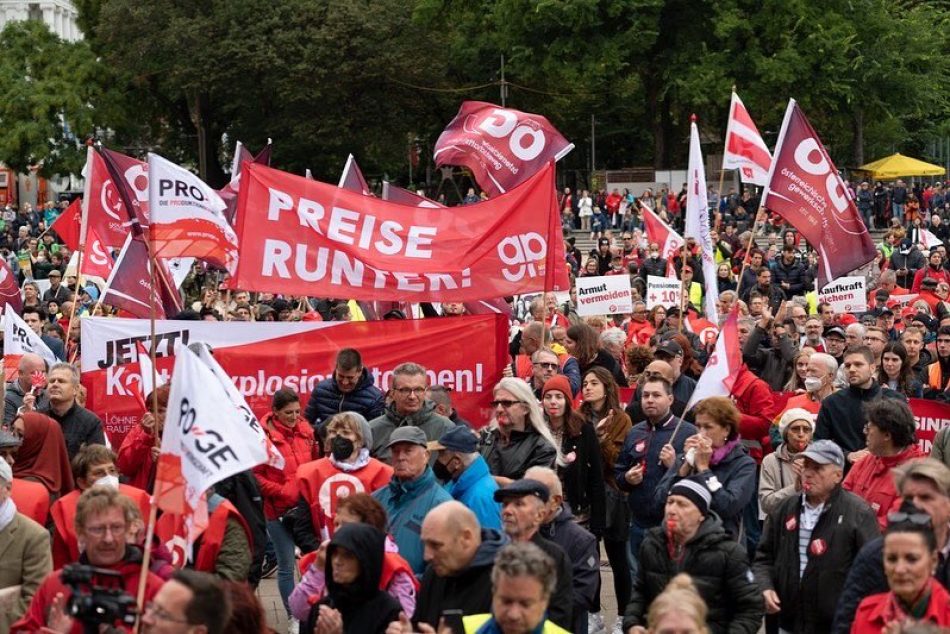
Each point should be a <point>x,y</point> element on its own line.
<point>460,555</point>
<point>79,425</point>
<point>350,389</point>
<point>790,273</point>
<point>769,351</point>
<point>774,296</point>
<point>810,541</point>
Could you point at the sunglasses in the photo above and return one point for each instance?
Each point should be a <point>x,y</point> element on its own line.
<point>504,404</point>
<point>918,519</point>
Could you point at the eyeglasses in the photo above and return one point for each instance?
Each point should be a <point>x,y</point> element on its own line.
<point>162,614</point>
<point>100,531</point>
<point>919,519</point>
<point>504,404</point>
<point>406,391</point>
<point>545,366</point>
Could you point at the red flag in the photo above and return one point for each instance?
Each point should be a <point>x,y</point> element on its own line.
<point>242,155</point>
<point>9,289</point>
<point>661,233</point>
<point>302,237</point>
<point>96,256</point>
<point>806,190</point>
<point>352,178</point>
<point>104,202</point>
<point>129,179</point>
<point>129,287</point>
<point>502,147</point>
<point>722,368</point>
<point>745,150</point>
<point>405,197</point>
<point>67,226</point>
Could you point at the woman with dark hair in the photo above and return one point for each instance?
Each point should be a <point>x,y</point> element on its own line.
<point>293,437</point>
<point>657,317</point>
<point>716,456</point>
<point>691,366</point>
<point>896,373</point>
<point>140,447</point>
<point>583,343</point>
<point>602,410</point>
<point>914,596</point>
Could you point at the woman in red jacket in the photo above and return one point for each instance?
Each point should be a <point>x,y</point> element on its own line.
<point>293,437</point>
<point>139,450</point>
<point>910,559</point>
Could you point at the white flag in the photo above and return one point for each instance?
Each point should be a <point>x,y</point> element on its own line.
<point>745,150</point>
<point>19,339</point>
<point>697,223</point>
<point>721,369</point>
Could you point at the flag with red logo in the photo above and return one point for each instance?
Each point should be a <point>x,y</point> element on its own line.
<point>9,289</point>
<point>129,286</point>
<point>68,225</point>
<point>501,146</point>
<point>805,188</point>
<point>127,195</point>
<point>745,150</point>
<point>97,260</point>
<point>352,178</point>
<point>697,222</point>
<point>663,236</point>
<point>721,369</point>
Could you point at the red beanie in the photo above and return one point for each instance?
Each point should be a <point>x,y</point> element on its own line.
<point>560,383</point>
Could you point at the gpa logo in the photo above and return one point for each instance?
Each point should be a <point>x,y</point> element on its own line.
<point>521,255</point>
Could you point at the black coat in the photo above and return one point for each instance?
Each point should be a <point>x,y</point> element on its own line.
<point>841,417</point>
<point>561,605</point>
<point>327,400</point>
<point>808,603</point>
<point>794,274</point>
<point>772,365</point>
<point>719,569</point>
<point>525,449</point>
<point>607,362</point>
<point>582,478</point>
<point>584,554</point>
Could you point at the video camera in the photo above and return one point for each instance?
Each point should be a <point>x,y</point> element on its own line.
<point>96,605</point>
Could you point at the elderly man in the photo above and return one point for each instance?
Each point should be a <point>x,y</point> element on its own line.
<point>523,506</point>
<point>526,366</point>
<point>466,476</point>
<point>409,408</point>
<point>24,545</point>
<point>460,555</point>
<point>195,602</point>
<point>544,365</point>
<point>819,383</point>
<point>22,386</point>
<point>810,541</point>
<point>411,494</point>
<point>812,337</point>
<point>104,518</point>
<point>558,525</point>
<point>80,426</point>
<point>442,397</point>
<point>854,334</point>
<point>925,483</point>
<point>350,389</point>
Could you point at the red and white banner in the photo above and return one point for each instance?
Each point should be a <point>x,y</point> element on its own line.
<point>721,369</point>
<point>697,223</point>
<point>805,189</point>
<point>661,233</point>
<point>19,339</point>
<point>96,257</point>
<point>104,204</point>
<point>466,353</point>
<point>352,178</point>
<point>9,289</point>
<point>931,417</point>
<point>68,224</point>
<point>745,150</point>
<point>303,237</point>
<point>502,147</point>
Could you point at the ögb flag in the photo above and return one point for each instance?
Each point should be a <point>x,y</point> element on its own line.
<point>302,237</point>
<point>502,147</point>
<point>9,289</point>
<point>697,223</point>
<point>187,216</point>
<point>125,190</point>
<point>805,189</point>
<point>745,150</point>
<point>19,339</point>
<point>465,353</point>
<point>721,370</point>
<point>130,287</point>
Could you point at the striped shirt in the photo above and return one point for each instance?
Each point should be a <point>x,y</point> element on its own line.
<point>807,523</point>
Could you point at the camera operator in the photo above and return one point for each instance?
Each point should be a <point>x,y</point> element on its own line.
<point>103,520</point>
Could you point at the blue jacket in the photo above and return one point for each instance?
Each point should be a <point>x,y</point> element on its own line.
<point>327,400</point>
<point>475,488</point>
<point>407,504</point>
<point>643,444</point>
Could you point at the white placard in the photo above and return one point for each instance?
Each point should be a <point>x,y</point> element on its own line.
<point>663,291</point>
<point>604,295</point>
<point>846,294</point>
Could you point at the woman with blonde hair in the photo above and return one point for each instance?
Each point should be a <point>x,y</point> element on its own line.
<point>677,610</point>
<point>518,436</point>
<point>796,383</point>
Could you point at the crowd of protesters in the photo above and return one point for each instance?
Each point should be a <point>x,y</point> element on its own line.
<point>802,502</point>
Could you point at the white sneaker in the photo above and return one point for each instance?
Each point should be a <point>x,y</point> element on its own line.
<point>293,627</point>
<point>595,623</point>
<point>617,628</point>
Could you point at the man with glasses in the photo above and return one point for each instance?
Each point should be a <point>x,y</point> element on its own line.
<point>639,329</point>
<point>409,407</point>
<point>192,602</point>
<point>350,389</point>
<point>525,365</point>
<point>876,339</point>
<point>104,518</point>
<point>545,364</point>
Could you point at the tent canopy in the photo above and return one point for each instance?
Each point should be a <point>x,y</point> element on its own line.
<point>898,165</point>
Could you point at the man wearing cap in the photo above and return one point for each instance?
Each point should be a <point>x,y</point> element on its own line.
<point>691,540</point>
<point>602,253</point>
<point>672,353</point>
<point>411,494</point>
<point>522,512</point>
<point>56,291</point>
<point>810,541</point>
<point>24,547</point>
<point>835,343</point>
<point>31,498</point>
<point>17,389</point>
<point>465,474</point>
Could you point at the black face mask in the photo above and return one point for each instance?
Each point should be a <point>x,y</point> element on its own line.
<point>441,471</point>
<point>341,448</point>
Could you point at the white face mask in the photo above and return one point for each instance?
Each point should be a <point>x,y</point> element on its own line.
<point>812,384</point>
<point>109,481</point>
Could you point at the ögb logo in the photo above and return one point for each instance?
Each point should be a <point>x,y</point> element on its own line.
<point>520,254</point>
<point>524,141</point>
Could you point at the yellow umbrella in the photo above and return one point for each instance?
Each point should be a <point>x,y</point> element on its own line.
<point>898,165</point>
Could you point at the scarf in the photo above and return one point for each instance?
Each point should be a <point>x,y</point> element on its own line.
<point>42,457</point>
<point>7,513</point>
<point>722,452</point>
<point>361,461</point>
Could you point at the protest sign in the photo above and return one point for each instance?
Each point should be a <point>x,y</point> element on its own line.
<point>846,295</point>
<point>663,291</point>
<point>604,295</point>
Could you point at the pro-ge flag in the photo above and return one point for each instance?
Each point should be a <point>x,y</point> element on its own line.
<point>805,189</point>
<point>721,370</point>
<point>697,222</point>
<point>745,150</point>
<point>187,216</point>
<point>19,339</point>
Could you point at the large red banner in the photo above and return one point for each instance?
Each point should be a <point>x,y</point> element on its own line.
<point>806,190</point>
<point>466,354</point>
<point>303,237</point>
<point>502,147</point>
<point>931,417</point>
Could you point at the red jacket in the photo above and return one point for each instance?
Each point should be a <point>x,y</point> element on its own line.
<point>134,459</point>
<point>639,333</point>
<point>31,499</point>
<point>877,610</point>
<point>872,480</point>
<point>757,405</point>
<point>940,275</point>
<point>322,484</point>
<point>36,614</point>
<point>297,446</point>
<point>63,512</point>
<point>169,528</point>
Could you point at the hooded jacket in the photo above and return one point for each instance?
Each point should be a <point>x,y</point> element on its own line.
<point>469,590</point>
<point>297,445</point>
<point>327,400</point>
<point>872,480</point>
<point>364,607</point>
<point>841,417</point>
<point>475,488</point>
<point>426,419</point>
